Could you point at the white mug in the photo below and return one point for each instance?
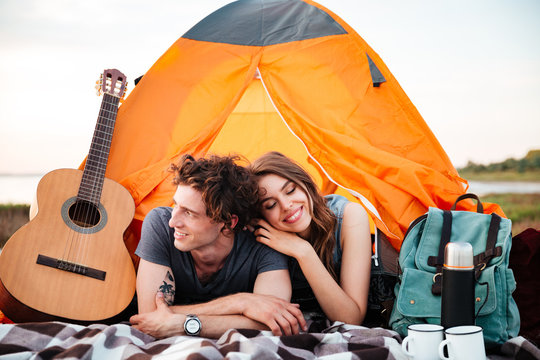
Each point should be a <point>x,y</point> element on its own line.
<point>422,341</point>
<point>463,342</point>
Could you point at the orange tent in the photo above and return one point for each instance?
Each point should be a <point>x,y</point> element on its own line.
<point>286,75</point>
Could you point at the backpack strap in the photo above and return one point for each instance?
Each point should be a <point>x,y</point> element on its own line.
<point>438,261</point>
<point>481,260</point>
<point>479,206</point>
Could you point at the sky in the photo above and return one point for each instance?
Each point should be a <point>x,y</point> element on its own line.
<point>471,68</point>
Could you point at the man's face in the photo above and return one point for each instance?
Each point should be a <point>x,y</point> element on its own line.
<point>193,229</point>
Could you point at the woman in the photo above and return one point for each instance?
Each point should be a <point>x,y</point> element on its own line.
<point>328,238</point>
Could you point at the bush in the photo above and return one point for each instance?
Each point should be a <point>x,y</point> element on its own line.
<point>12,217</point>
<point>530,162</point>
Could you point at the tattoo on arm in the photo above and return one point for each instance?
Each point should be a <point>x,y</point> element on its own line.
<point>168,289</point>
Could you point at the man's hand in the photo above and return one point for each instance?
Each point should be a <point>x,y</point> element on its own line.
<point>161,322</point>
<point>282,317</point>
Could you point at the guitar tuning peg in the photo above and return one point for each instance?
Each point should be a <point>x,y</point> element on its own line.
<point>99,84</point>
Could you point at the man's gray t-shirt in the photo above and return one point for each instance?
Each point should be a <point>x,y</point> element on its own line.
<point>247,259</point>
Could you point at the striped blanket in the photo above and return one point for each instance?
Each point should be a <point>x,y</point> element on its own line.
<point>120,341</point>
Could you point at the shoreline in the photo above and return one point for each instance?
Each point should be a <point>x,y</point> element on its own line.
<point>522,208</point>
<point>481,188</point>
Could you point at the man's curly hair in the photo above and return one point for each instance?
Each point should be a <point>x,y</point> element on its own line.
<point>227,188</point>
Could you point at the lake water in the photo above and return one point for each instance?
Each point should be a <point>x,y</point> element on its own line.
<point>497,187</point>
<point>21,189</point>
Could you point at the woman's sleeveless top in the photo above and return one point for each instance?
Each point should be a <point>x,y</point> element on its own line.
<point>301,291</point>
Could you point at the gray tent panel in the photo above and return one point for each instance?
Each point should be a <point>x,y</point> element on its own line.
<point>376,76</point>
<point>264,22</point>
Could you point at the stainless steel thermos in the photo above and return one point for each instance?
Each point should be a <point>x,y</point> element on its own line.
<point>457,298</point>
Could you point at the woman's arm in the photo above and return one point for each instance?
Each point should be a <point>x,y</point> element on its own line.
<point>346,301</point>
<point>356,256</point>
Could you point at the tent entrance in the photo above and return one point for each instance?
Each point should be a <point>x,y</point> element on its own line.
<point>263,129</point>
<point>254,128</point>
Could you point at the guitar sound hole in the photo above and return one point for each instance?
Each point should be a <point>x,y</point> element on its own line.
<point>84,213</point>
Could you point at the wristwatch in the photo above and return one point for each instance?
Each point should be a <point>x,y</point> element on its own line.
<point>192,325</point>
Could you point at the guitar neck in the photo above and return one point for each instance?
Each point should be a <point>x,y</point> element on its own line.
<point>96,162</point>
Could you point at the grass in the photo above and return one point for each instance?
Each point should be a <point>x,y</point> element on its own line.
<point>510,175</point>
<point>14,207</point>
<point>522,209</point>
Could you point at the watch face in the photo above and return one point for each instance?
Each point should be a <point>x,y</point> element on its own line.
<point>192,326</point>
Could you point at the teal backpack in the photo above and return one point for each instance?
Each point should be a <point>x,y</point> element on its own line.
<point>421,259</point>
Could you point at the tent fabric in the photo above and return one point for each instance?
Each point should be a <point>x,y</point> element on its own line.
<point>300,86</point>
<point>262,23</point>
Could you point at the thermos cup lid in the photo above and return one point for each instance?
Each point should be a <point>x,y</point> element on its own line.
<point>458,256</point>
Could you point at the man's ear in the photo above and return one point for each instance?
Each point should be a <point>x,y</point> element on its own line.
<point>227,230</point>
<point>234,221</point>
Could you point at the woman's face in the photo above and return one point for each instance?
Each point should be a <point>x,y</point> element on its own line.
<point>284,204</point>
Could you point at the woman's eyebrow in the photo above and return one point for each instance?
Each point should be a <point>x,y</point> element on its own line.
<point>282,188</point>
<point>286,184</point>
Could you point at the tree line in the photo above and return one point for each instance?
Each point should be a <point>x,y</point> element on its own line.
<point>530,162</point>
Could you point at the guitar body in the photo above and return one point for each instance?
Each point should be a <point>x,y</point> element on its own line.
<point>69,262</point>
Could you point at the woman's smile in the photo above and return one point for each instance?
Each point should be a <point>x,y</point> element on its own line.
<point>294,216</point>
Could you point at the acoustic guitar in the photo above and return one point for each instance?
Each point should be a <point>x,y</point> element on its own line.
<point>69,262</point>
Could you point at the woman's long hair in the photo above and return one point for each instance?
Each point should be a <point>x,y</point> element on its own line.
<point>323,219</point>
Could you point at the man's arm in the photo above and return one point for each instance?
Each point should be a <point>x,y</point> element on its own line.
<point>155,292</point>
<point>153,278</point>
<point>268,305</point>
<point>162,322</point>
<point>270,286</point>
<point>150,278</point>
<point>252,311</point>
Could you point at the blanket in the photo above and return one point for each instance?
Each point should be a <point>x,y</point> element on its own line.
<point>121,341</point>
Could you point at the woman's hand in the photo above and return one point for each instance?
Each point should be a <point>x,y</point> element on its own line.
<point>285,242</point>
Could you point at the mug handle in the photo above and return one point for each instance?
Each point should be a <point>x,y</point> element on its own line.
<point>441,349</point>
<point>405,347</point>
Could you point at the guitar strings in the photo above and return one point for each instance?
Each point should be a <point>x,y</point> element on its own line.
<point>77,251</point>
<point>75,236</point>
<point>104,132</point>
<point>79,214</point>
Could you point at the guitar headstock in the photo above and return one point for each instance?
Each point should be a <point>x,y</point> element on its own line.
<point>112,82</point>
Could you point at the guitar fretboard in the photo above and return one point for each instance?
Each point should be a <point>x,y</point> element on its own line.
<point>96,163</point>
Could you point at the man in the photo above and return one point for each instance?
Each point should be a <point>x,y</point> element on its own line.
<point>200,273</point>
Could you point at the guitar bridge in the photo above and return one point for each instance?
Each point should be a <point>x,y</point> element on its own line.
<point>71,267</point>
